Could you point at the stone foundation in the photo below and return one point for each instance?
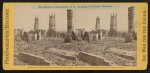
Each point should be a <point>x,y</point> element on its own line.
<point>32,59</point>
<point>92,59</point>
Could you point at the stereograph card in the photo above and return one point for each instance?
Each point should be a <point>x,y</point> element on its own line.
<point>75,36</point>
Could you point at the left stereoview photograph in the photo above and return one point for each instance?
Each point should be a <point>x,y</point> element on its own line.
<point>71,36</point>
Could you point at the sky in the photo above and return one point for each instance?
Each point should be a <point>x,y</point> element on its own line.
<point>24,17</point>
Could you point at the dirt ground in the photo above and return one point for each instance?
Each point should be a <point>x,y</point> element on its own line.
<point>100,48</point>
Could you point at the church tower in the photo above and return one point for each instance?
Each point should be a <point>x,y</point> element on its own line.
<point>113,25</point>
<point>36,25</point>
<point>113,22</point>
<point>52,22</point>
<point>97,27</point>
<point>51,31</point>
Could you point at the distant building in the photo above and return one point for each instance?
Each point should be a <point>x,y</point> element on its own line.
<point>113,26</point>
<point>97,34</point>
<point>80,33</point>
<point>18,34</point>
<point>36,34</point>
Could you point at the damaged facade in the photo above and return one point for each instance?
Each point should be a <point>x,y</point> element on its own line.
<point>132,34</point>
<point>97,34</point>
<point>32,35</point>
<point>36,34</point>
<point>18,33</point>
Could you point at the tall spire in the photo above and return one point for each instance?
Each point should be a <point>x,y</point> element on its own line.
<point>113,21</point>
<point>113,25</point>
<point>36,26</point>
<point>97,27</point>
<point>51,21</point>
<point>51,31</point>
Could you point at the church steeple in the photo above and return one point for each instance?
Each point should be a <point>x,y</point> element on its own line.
<point>113,21</point>
<point>52,22</point>
<point>36,25</point>
<point>113,25</point>
<point>97,27</point>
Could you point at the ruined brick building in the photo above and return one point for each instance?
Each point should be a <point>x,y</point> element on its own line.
<point>18,33</point>
<point>98,33</point>
<point>132,22</point>
<point>70,33</point>
<point>132,34</point>
<point>131,19</point>
<point>36,34</point>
